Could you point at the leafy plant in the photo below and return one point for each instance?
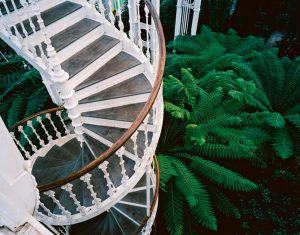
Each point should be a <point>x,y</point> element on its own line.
<point>202,129</point>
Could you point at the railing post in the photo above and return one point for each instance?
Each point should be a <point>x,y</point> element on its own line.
<point>178,18</point>
<point>197,5</point>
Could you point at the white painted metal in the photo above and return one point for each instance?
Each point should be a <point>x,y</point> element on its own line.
<point>182,23</point>
<point>62,91</point>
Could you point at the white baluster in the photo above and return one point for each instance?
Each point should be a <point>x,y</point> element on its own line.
<point>42,142</point>
<point>146,130</point>
<point>148,188</point>
<point>135,148</point>
<point>49,137</point>
<point>147,33</point>
<point>57,133</point>
<point>46,209</point>
<point>87,179</point>
<point>140,42</point>
<point>58,113</point>
<point>50,49</point>
<point>110,13</point>
<point>68,188</point>
<point>131,21</point>
<point>19,37</point>
<point>21,130</point>
<point>101,7</point>
<point>27,154</point>
<point>121,25</point>
<point>120,153</point>
<point>110,185</point>
<point>51,194</point>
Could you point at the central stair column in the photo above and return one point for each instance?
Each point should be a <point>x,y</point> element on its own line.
<point>59,77</point>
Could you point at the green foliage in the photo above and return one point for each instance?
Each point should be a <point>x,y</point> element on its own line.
<point>226,98</point>
<point>206,129</point>
<point>22,92</point>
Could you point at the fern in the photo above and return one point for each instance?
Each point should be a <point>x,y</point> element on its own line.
<point>282,143</point>
<point>221,202</point>
<point>173,210</point>
<point>221,176</point>
<point>166,169</point>
<point>15,111</point>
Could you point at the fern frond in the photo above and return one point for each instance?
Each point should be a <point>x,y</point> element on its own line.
<point>203,211</point>
<point>187,183</point>
<point>282,143</point>
<point>221,176</point>
<point>166,170</point>
<point>173,210</point>
<point>176,111</point>
<point>36,101</point>
<point>274,119</point>
<point>294,119</point>
<point>221,202</point>
<point>15,111</point>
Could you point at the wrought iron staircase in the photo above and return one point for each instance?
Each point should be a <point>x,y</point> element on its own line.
<point>93,156</point>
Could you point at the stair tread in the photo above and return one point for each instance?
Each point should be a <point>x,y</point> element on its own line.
<point>10,6</point>
<point>49,16</point>
<point>88,54</point>
<point>124,113</point>
<point>103,224</point>
<point>120,63</point>
<point>133,86</point>
<point>71,34</point>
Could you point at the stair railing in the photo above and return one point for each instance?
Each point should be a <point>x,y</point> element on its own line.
<point>135,22</point>
<point>39,130</point>
<point>149,119</point>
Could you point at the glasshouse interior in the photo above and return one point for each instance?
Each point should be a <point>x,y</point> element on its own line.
<point>139,117</point>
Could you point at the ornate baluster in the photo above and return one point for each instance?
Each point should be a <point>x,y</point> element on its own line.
<point>49,137</point>
<point>42,142</point>
<point>110,13</point>
<point>24,46</point>
<point>121,25</point>
<point>140,42</point>
<point>57,133</point>
<point>120,153</point>
<point>87,179</point>
<point>101,7</point>
<point>110,185</point>
<point>33,147</point>
<point>146,130</point>
<point>50,49</point>
<point>34,30</point>
<point>46,209</point>
<point>27,154</point>
<point>68,188</point>
<point>131,20</point>
<point>148,188</point>
<point>51,194</point>
<point>135,148</point>
<point>19,37</point>
<point>58,113</point>
<point>147,33</point>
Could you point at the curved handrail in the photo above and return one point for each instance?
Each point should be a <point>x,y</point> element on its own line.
<point>34,116</point>
<point>155,198</point>
<point>138,121</point>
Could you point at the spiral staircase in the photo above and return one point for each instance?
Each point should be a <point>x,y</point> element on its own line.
<point>93,156</point>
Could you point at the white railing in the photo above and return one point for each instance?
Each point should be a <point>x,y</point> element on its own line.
<point>139,152</point>
<point>35,135</point>
<point>182,24</point>
<point>41,132</point>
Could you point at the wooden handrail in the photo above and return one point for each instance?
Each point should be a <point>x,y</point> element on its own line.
<point>34,116</point>
<point>155,198</point>
<point>138,121</point>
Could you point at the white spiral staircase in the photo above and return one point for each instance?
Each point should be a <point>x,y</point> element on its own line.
<point>93,156</point>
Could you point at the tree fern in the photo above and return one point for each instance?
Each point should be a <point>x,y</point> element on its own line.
<point>282,143</point>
